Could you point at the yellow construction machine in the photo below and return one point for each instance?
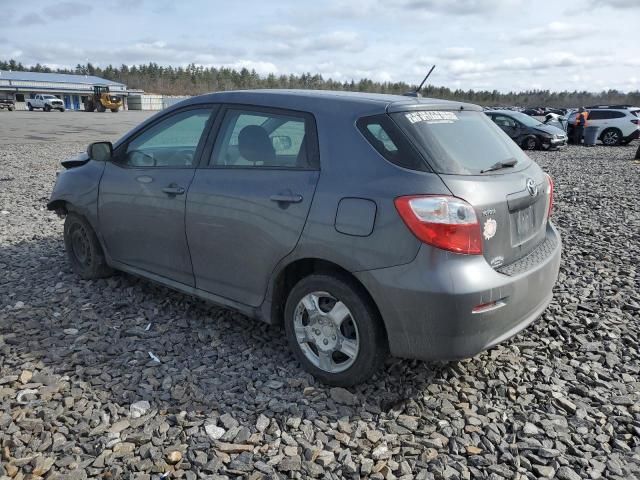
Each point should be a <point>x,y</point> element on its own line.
<point>102,100</point>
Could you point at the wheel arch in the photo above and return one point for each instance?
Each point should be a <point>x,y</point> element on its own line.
<point>58,206</point>
<point>609,129</point>
<point>285,279</point>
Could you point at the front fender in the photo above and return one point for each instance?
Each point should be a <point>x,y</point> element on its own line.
<point>77,190</point>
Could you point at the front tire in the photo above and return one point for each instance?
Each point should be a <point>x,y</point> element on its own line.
<point>334,330</point>
<point>530,143</point>
<point>83,249</point>
<point>114,110</point>
<point>100,107</point>
<point>29,107</point>
<point>611,137</point>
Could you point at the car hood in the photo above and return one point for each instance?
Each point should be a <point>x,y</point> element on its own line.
<point>549,129</point>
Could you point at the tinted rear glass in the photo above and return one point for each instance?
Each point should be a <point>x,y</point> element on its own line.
<point>460,143</point>
<point>384,135</point>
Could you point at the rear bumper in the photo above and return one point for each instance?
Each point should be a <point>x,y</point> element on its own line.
<point>427,304</point>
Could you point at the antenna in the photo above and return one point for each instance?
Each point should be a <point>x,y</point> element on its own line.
<point>416,92</point>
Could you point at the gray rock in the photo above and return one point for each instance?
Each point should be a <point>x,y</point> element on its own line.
<point>566,473</point>
<point>343,396</point>
<point>214,432</point>
<point>138,409</point>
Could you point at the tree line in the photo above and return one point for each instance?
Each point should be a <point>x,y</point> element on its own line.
<point>194,79</point>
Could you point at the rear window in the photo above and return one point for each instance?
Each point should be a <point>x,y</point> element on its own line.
<point>383,135</point>
<point>636,113</point>
<point>460,143</point>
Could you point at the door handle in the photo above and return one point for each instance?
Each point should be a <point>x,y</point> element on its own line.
<point>286,198</point>
<point>173,190</point>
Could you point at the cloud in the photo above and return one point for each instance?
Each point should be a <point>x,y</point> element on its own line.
<point>622,4</point>
<point>453,53</point>
<point>338,40</point>
<point>282,31</point>
<point>63,10</point>
<point>459,7</point>
<point>290,42</point>
<point>470,69</point>
<point>554,31</point>
<point>31,19</point>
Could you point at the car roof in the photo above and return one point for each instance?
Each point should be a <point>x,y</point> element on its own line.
<point>505,112</point>
<point>311,100</point>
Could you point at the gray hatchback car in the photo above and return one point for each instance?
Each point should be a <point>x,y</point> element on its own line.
<point>364,223</point>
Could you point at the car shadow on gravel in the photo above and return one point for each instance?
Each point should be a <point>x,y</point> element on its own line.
<point>126,339</point>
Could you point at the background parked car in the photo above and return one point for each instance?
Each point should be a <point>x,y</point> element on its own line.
<point>618,125</point>
<point>7,101</point>
<point>45,102</point>
<point>528,132</point>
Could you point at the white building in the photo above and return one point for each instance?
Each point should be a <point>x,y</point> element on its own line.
<point>71,89</point>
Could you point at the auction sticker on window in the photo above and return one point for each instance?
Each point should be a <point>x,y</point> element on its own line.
<point>431,117</point>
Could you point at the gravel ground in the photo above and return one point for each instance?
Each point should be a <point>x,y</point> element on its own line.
<point>81,396</point>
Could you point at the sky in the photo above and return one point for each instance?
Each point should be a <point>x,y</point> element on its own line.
<point>507,45</point>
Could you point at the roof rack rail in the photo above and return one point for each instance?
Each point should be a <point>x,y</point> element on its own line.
<point>612,107</point>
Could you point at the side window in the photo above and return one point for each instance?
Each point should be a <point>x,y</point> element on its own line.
<point>504,121</point>
<point>170,143</point>
<point>605,114</point>
<point>264,139</point>
<point>383,135</point>
<point>596,115</point>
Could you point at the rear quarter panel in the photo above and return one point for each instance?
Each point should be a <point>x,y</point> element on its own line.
<point>352,168</point>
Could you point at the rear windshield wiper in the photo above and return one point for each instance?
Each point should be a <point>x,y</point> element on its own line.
<point>499,166</point>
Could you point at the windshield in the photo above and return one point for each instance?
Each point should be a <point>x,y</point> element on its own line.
<point>525,119</point>
<point>461,143</point>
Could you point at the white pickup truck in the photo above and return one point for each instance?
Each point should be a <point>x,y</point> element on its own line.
<point>45,102</point>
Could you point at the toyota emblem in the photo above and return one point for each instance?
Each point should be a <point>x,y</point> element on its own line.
<point>532,188</point>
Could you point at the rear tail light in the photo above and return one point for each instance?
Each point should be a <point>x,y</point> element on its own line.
<point>549,191</point>
<point>442,221</point>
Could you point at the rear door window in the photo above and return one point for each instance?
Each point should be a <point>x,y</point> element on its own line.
<point>460,142</point>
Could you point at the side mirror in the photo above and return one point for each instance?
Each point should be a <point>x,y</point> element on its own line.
<point>281,143</point>
<point>100,151</point>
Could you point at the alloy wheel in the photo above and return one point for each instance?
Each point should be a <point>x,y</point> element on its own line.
<point>326,332</point>
<point>611,138</point>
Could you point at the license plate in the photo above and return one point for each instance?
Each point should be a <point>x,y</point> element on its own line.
<point>525,222</point>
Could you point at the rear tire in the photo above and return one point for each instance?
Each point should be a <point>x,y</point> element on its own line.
<point>61,110</point>
<point>611,137</point>
<point>11,109</point>
<point>83,249</point>
<point>100,107</point>
<point>46,108</point>
<point>318,340</point>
